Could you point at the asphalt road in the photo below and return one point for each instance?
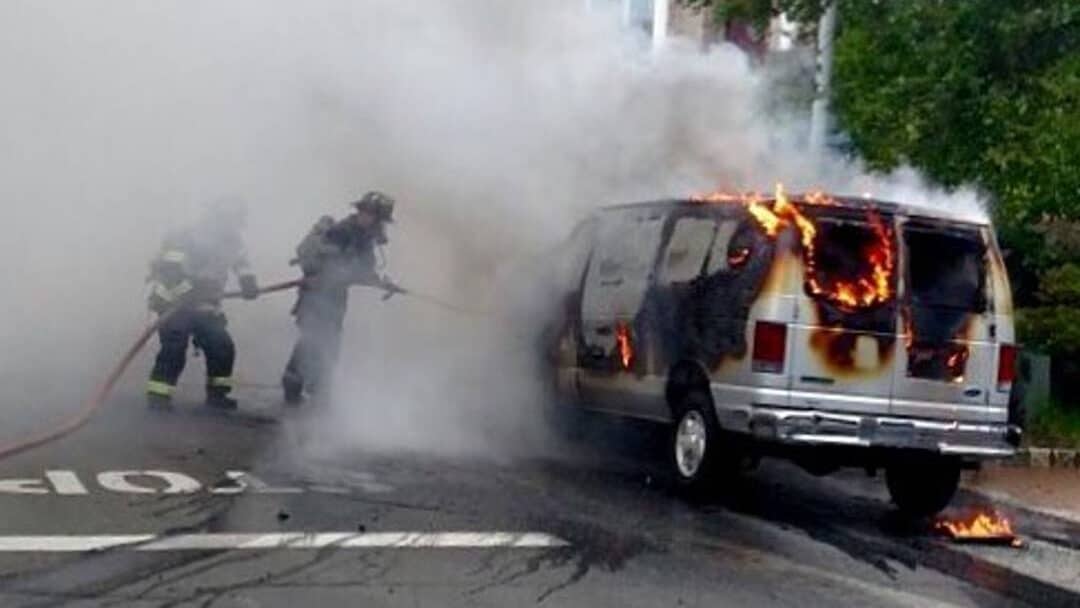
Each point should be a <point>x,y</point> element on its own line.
<point>204,510</point>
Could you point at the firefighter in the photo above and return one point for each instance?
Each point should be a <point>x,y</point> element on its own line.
<point>333,256</point>
<point>188,279</point>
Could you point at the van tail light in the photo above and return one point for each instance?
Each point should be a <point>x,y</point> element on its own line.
<point>770,344</point>
<point>1006,372</point>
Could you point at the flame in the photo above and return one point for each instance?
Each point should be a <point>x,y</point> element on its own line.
<point>818,197</point>
<point>956,363</point>
<point>849,295</point>
<point>980,524</point>
<point>622,342</point>
<point>738,257</point>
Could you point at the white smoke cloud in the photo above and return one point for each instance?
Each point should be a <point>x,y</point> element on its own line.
<point>495,124</point>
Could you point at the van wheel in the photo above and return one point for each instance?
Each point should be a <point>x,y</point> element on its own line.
<point>923,486</point>
<point>694,449</point>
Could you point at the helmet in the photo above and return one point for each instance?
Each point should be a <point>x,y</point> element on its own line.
<point>378,204</point>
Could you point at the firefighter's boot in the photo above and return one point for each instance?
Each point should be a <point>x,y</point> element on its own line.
<point>159,403</point>
<point>159,395</point>
<point>218,398</point>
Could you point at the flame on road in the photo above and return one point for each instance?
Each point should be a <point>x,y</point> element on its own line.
<point>985,525</point>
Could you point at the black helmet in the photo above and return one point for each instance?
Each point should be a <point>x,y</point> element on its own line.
<point>378,204</point>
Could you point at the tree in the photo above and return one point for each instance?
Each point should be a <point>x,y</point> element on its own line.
<point>984,92</point>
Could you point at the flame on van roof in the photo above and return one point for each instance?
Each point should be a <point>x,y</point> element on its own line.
<point>870,288</point>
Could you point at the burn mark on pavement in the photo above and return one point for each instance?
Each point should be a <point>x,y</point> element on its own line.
<point>589,546</point>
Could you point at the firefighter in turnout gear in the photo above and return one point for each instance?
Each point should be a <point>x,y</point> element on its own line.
<point>333,256</point>
<point>188,279</point>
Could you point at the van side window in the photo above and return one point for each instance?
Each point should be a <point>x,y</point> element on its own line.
<point>687,250</point>
<point>622,262</point>
<point>727,253</point>
<point>575,250</point>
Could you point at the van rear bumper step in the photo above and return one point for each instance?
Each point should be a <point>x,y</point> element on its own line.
<point>815,427</point>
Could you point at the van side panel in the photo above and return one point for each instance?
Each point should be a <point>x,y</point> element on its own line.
<point>717,274</point>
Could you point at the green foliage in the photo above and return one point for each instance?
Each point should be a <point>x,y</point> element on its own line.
<point>1061,238</point>
<point>1054,330</point>
<point>1054,326</point>
<point>1054,425</point>
<point>1061,286</point>
<point>980,91</point>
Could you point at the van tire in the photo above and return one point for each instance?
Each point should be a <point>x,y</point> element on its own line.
<point>694,448</point>
<point>922,486</point>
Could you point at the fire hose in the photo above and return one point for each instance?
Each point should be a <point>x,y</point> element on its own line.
<point>101,393</point>
<point>103,390</point>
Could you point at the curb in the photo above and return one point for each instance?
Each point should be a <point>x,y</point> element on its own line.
<point>1010,501</point>
<point>1043,458</point>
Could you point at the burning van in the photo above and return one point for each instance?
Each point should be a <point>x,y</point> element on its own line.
<point>831,331</point>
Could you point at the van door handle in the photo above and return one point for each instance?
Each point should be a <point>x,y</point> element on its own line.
<point>971,393</point>
<point>603,330</point>
<point>817,380</point>
<point>612,283</point>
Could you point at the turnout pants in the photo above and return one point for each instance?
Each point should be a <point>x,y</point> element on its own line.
<point>206,329</point>
<point>320,314</point>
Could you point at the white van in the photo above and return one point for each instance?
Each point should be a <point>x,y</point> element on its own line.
<point>831,331</point>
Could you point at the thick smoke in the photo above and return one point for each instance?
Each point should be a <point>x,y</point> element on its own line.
<point>495,124</point>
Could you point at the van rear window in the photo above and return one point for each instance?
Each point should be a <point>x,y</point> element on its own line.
<point>851,265</point>
<point>946,267</point>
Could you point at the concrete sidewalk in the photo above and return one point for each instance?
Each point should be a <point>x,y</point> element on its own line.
<point>1054,491</point>
<point>1045,458</point>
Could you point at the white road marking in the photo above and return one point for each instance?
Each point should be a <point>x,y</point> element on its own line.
<point>282,540</point>
<point>23,486</point>
<point>63,482</point>
<point>61,544</point>
<point>66,482</point>
<point>176,483</point>
<point>244,481</point>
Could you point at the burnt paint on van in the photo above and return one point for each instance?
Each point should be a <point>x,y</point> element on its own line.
<point>704,317</point>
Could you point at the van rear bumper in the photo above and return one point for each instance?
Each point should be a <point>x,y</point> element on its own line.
<point>814,427</point>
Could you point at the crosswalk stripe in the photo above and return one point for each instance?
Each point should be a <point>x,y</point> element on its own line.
<point>280,540</point>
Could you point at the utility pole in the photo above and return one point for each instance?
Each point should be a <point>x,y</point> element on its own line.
<point>661,16</point>
<point>819,112</point>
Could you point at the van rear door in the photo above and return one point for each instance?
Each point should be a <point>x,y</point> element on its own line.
<point>946,364</point>
<point>614,371</point>
<point>845,333</point>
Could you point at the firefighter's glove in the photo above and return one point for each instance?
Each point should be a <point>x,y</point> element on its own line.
<point>249,289</point>
<point>391,288</point>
